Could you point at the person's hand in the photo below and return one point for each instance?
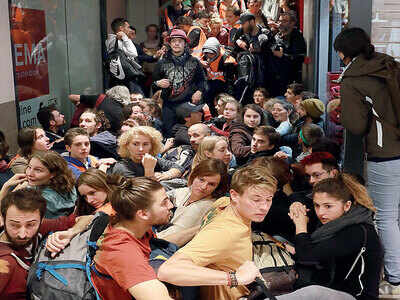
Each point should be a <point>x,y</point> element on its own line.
<point>17,179</point>
<point>299,218</point>
<point>75,99</point>
<point>290,249</point>
<point>107,161</point>
<point>297,208</point>
<point>120,35</point>
<point>247,272</point>
<point>196,97</point>
<point>283,116</point>
<point>158,176</point>
<point>241,44</point>
<point>169,144</point>
<point>159,53</point>
<point>163,83</point>
<point>204,63</point>
<point>281,155</point>
<point>149,162</point>
<point>251,48</point>
<point>273,25</point>
<point>278,53</point>
<point>57,241</point>
<point>21,186</point>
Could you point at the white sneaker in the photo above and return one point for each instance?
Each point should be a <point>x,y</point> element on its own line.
<point>388,291</point>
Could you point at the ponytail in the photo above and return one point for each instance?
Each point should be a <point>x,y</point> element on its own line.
<point>358,191</point>
<point>346,188</point>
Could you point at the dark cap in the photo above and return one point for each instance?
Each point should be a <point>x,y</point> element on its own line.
<point>184,110</point>
<point>244,17</point>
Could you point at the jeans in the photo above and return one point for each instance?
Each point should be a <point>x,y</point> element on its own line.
<point>315,292</point>
<point>384,189</point>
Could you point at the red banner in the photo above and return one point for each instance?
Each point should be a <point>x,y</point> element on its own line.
<point>28,31</point>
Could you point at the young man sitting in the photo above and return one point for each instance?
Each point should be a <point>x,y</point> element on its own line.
<point>52,122</point>
<point>124,248</point>
<point>264,142</point>
<point>22,212</point>
<point>103,143</point>
<point>219,257</point>
<point>183,155</point>
<point>317,166</point>
<point>78,145</point>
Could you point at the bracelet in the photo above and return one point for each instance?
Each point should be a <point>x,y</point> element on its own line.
<point>229,279</point>
<point>233,279</point>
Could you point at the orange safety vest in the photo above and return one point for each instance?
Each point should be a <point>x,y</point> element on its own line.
<point>196,51</point>
<point>168,20</point>
<point>213,72</point>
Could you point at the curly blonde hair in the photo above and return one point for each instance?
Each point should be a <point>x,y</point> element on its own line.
<point>154,135</point>
<point>207,144</point>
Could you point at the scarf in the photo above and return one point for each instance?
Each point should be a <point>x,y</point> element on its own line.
<point>357,214</point>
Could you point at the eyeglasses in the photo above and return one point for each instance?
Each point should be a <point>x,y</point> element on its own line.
<point>316,175</point>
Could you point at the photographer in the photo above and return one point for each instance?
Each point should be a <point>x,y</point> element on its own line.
<point>250,42</point>
<point>285,56</point>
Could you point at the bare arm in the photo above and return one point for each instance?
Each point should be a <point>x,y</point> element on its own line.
<point>181,270</point>
<point>60,239</point>
<point>180,238</point>
<point>150,290</point>
<point>16,180</point>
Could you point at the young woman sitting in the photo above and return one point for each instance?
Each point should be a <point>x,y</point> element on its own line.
<point>345,252</point>
<point>282,113</point>
<point>30,139</point>
<point>307,136</point>
<point>213,147</point>
<point>222,126</point>
<point>139,148</point>
<point>207,182</point>
<point>47,172</point>
<point>94,187</point>
<point>241,133</point>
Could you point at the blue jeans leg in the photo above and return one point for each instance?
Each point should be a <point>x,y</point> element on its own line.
<point>384,189</point>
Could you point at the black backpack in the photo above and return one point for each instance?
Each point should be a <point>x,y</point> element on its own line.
<point>67,276</point>
<point>121,67</point>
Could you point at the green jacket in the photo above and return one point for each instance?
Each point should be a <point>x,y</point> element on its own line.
<point>369,99</point>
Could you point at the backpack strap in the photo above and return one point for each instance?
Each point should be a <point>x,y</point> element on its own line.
<point>100,100</point>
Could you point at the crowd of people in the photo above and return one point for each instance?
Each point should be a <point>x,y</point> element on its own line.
<point>213,137</point>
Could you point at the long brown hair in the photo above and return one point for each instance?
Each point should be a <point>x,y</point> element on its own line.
<point>26,139</point>
<point>63,180</point>
<point>345,188</point>
<point>99,181</point>
<point>210,167</point>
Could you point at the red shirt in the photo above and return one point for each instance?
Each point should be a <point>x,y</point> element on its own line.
<point>126,259</point>
<point>15,263</point>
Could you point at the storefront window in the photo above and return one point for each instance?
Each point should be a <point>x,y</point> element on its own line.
<point>386,27</point>
<point>57,51</point>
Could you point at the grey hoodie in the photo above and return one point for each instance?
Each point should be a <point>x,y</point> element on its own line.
<point>212,45</point>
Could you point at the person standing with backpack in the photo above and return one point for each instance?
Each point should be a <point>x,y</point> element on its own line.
<point>370,99</point>
<point>120,38</point>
